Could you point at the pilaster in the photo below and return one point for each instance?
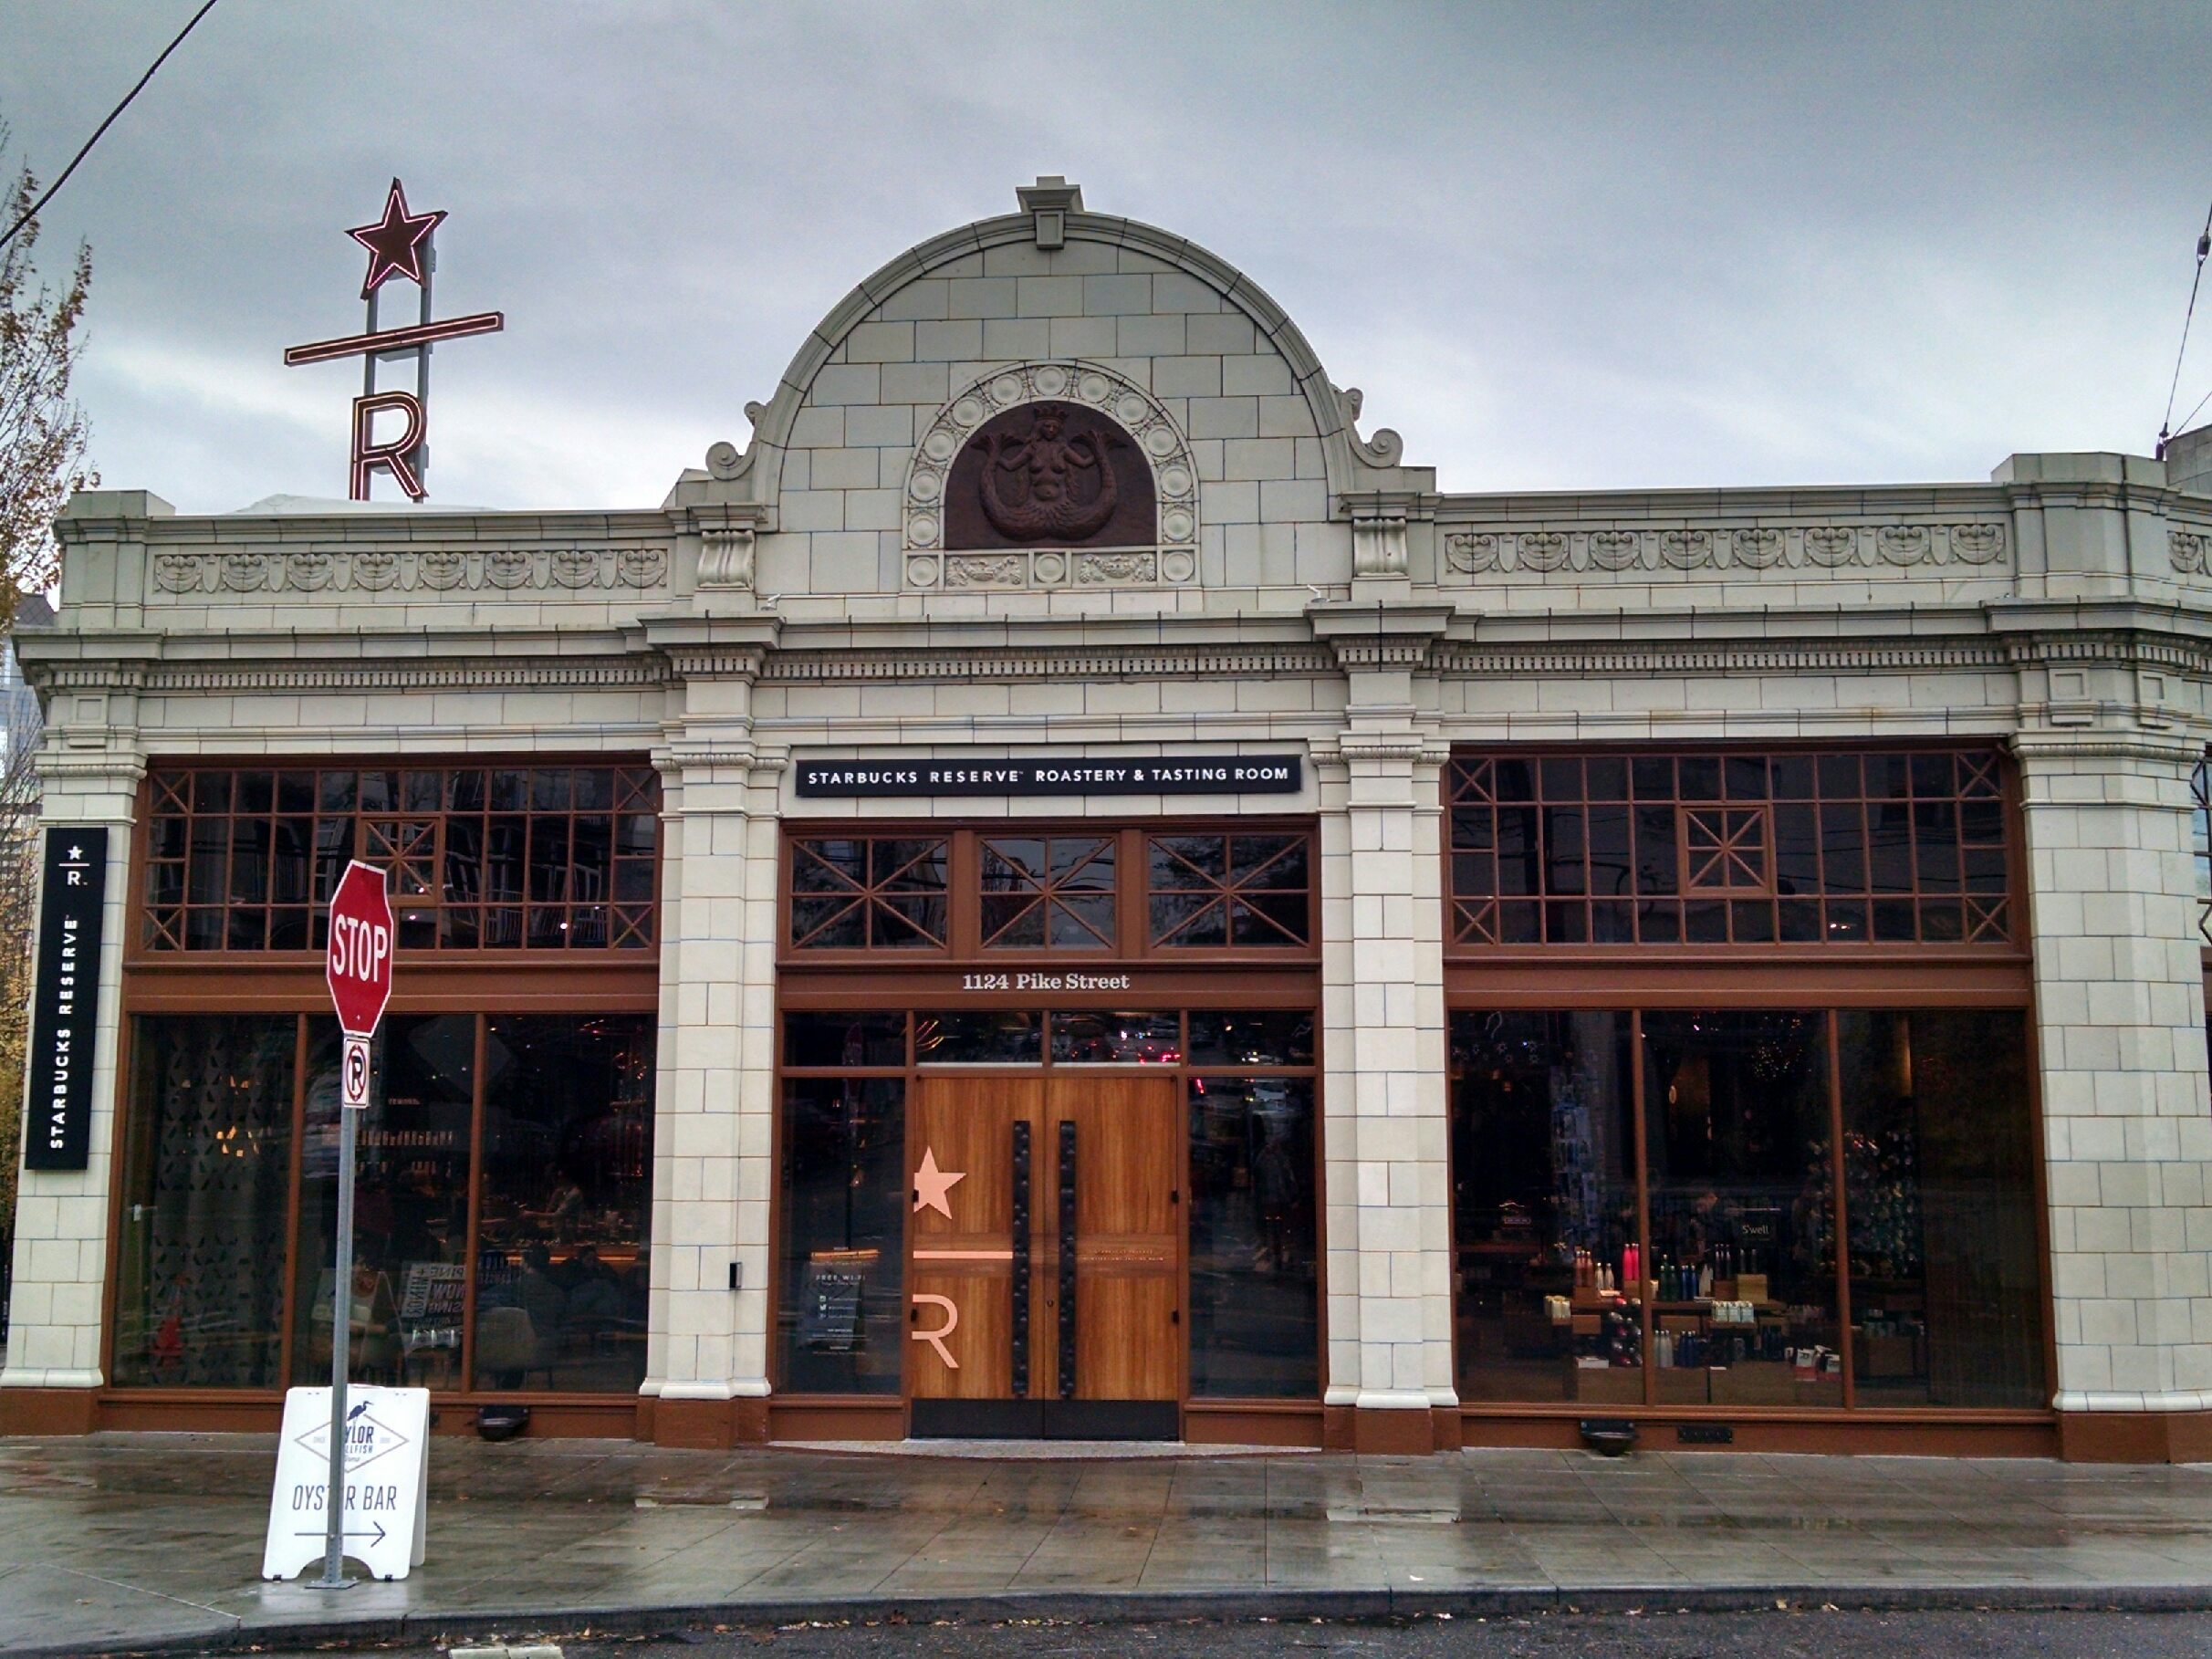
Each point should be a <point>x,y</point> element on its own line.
<point>714,1127</point>
<point>55,1332</point>
<point>2127,1126</point>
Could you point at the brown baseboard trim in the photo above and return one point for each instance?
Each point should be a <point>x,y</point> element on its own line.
<point>828,1417</point>
<point>48,1411</point>
<point>1217,1423</point>
<point>1837,1434</point>
<point>2136,1436</point>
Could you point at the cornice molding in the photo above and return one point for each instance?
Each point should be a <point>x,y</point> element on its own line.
<point>1165,662</point>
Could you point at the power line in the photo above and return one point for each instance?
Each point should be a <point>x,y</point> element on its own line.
<point>31,212</point>
<point>2166,427</point>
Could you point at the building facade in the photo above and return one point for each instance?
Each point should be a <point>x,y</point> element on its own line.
<point>1063,890</point>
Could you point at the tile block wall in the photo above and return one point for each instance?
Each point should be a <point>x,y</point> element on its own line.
<point>2127,1119</point>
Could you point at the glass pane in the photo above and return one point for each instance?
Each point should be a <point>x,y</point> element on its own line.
<point>1544,1209</point>
<point>207,1170</point>
<point>841,1319</point>
<point>1101,1038</point>
<point>1260,1038</point>
<point>844,1039</point>
<point>979,1037</point>
<point>1255,1301</point>
<point>1180,861</point>
<point>1946,1293</point>
<point>1743,1250</point>
<point>410,1206</point>
<point>561,1265</point>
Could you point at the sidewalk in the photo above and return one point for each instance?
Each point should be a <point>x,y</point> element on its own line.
<point>155,1540</point>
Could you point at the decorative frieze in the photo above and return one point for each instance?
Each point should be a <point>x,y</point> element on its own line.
<point>1053,567</point>
<point>408,571</point>
<point>1878,548</point>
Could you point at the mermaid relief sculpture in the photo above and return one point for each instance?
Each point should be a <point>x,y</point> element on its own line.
<point>1068,490</point>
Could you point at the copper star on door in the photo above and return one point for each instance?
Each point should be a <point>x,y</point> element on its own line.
<point>395,242</point>
<point>933,1184</point>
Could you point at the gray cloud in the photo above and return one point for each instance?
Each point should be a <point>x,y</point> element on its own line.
<point>1558,247</point>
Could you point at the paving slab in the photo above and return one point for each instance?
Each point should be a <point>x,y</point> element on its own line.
<point>152,1542</point>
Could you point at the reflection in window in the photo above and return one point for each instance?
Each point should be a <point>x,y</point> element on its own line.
<point>207,1166</point>
<point>1544,1209</point>
<point>1254,1322</point>
<point>1238,891</point>
<point>1249,1037</point>
<point>561,1267</point>
<point>1117,1038</point>
<point>1736,1134</point>
<point>840,1325</point>
<point>979,1037</point>
<point>867,892</point>
<point>1939,1189</point>
<point>1053,893</point>
<point>410,1214</point>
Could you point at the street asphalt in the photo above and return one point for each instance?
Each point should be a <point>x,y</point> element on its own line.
<point>1658,1632</point>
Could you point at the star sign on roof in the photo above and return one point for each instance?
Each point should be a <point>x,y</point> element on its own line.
<point>395,242</point>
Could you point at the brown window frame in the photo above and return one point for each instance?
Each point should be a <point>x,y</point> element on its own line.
<point>1837,922</point>
<point>965,943</point>
<point>628,927</point>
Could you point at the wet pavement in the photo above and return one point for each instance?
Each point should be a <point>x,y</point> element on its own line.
<point>141,1539</point>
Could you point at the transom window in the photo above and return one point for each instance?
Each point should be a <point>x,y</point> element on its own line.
<point>869,893</point>
<point>1229,890</point>
<point>1056,892</point>
<point>479,858</point>
<point>1884,848</point>
<point>1121,893</point>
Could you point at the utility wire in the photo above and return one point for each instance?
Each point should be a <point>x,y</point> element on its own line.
<point>2166,427</point>
<point>31,212</point>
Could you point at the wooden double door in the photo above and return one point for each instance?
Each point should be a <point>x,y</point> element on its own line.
<point>1044,1257</point>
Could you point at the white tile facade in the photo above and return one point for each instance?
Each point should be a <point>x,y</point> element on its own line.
<point>1342,608</point>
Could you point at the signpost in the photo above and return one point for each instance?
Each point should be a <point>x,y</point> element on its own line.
<point>358,969</point>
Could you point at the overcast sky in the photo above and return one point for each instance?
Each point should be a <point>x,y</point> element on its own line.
<point>1558,247</point>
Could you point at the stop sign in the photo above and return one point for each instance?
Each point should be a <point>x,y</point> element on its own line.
<point>359,963</point>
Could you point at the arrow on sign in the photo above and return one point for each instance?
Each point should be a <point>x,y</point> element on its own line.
<point>375,1538</point>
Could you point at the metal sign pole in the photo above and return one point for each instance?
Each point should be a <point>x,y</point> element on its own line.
<point>354,1101</point>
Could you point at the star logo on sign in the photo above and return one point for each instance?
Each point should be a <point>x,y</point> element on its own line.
<point>395,242</point>
<point>932,1185</point>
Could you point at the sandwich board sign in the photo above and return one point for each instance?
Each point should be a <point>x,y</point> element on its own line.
<point>387,1466</point>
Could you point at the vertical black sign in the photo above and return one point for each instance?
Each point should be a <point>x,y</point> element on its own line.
<point>64,1004</point>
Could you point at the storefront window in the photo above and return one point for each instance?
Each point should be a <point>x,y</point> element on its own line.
<point>542,858</point>
<point>1254,1322</point>
<point>843,1190</point>
<point>562,1269</point>
<point>1544,1209</point>
<point>411,1206</point>
<point>1884,848</point>
<point>1742,1211</point>
<point>1939,1186</point>
<point>206,1171</point>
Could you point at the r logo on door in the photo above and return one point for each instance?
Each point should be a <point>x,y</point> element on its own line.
<point>935,1339</point>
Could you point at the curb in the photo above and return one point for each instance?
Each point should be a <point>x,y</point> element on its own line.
<point>1102,1607</point>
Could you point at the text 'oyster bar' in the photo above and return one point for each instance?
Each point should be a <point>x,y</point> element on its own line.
<point>1179,775</point>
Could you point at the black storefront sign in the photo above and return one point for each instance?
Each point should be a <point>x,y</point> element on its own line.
<point>1167,775</point>
<point>65,1003</point>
